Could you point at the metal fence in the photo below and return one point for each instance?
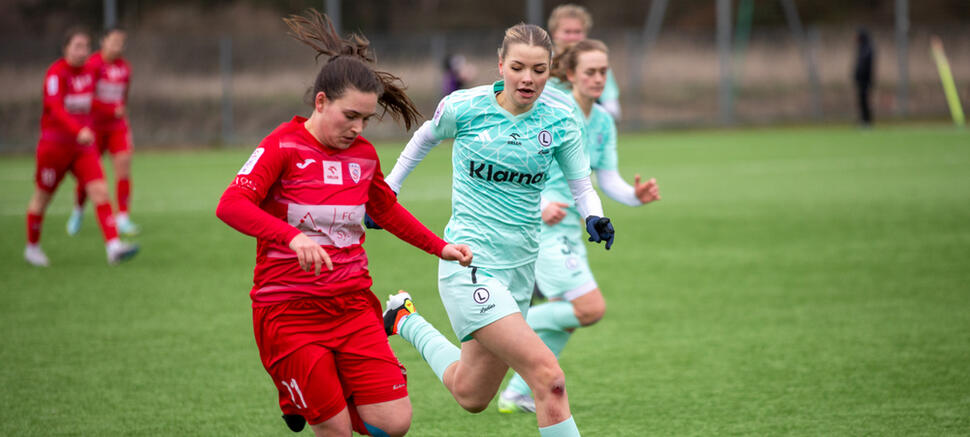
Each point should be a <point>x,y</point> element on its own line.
<point>234,89</point>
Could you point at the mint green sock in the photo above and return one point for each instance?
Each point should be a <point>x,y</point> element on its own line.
<point>550,321</point>
<point>566,428</point>
<point>433,347</point>
<point>554,315</point>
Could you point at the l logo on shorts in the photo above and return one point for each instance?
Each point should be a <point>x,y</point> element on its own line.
<point>480,295</point>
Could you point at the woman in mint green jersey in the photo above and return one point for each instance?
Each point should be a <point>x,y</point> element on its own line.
<point>562,270</point>
<point>508,136</point>
<point>569,24</point>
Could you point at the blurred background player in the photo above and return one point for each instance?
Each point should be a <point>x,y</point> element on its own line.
<point>507,137</point>
<point>569,24</point>
<point>67,144</point>
<point>110,116</point>
<point>562,270</point>
<point>862,76</point>
<point>302,194</point>
<point>457,74</point>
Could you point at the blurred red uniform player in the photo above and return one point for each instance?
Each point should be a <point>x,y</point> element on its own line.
<point>67,144</point>
<point>109,113</point>
<point>303,194</point>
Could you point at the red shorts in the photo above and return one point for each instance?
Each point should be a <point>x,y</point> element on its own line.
<point>114,141</point>
<point>54,159</point>
<point>324,354</point>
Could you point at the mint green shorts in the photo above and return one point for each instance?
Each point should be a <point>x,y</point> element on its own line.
<point>562,270</point>
<point>474,297</point>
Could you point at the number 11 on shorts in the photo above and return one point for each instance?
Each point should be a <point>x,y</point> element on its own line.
<point>294,390</point>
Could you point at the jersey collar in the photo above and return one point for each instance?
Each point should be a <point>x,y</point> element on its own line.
<point>497,87</point>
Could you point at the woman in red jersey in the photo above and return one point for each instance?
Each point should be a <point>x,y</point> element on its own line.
<point>303,193</point>
<point>67,143</point>
<point>112,76</point>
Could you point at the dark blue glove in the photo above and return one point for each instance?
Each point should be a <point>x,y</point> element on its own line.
<point>369,223</point>
<point>600,229</point>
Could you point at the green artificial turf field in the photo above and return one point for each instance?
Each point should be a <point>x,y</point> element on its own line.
<point>805,281</point>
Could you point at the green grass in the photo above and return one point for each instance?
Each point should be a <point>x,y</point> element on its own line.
<point>795,281</point>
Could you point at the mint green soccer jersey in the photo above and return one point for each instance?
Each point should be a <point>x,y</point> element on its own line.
<point>501,163</point>
<point>611,91</point>
<point>600,149</point>
<point>565,87</point>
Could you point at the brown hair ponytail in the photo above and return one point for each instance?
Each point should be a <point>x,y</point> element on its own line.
<point>350,63</point>
<point>567,61</point>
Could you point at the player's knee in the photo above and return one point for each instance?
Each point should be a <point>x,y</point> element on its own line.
<point>554,387</point>
<point>472,397</point>
<point>122,164</point>
<point>474,407</point>
<point>591,312</point>
<point>473,402</point>
<point>38,202</point>
<point>548,379</point>
<point>97,191</point>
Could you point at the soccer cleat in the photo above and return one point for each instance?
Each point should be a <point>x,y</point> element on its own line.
<point>119,251</point>
<point>399,306</point>
<point>126,227</point>
<point>512,402</point>
<point>35,256</point>
<point>74,221</point>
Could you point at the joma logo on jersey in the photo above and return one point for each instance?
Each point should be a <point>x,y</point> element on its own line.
<point>488,172</point>
<point>115,73</point>
<point>81,82</point>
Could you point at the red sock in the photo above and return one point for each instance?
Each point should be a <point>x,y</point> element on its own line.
<point>107,221</point>
<point>34,222</point>
<point>123,191</point>
<point>80,195</point>
<point>356,422</point>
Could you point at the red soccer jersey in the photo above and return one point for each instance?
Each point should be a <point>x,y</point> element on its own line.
<point>111,91</point>
<point>67,102</point>
<point>292,183</point>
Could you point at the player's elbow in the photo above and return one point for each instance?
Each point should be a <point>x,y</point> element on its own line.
<point>592,314</point>
<point>223,210</point>
<point>591,309</point>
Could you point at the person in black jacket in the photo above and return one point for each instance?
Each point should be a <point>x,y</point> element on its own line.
<point>864,67</point>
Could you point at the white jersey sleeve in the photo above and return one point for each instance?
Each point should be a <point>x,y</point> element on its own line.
<point>429,135</point>
<point>414,152</point>
<point>614,186</point>
<point>587,201</point>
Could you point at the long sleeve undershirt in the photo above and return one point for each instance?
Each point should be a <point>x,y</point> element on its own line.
<point>614,186</point>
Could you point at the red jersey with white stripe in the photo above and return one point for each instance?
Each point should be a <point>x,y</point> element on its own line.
<point>110,92</point>
<point>292,183</point>
<point>68,92</point>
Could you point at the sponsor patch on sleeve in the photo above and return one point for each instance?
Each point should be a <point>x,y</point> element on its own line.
<point>438,112</point>
<point>244,182</point>
<point>253,159</point>
<point>52,85</point>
